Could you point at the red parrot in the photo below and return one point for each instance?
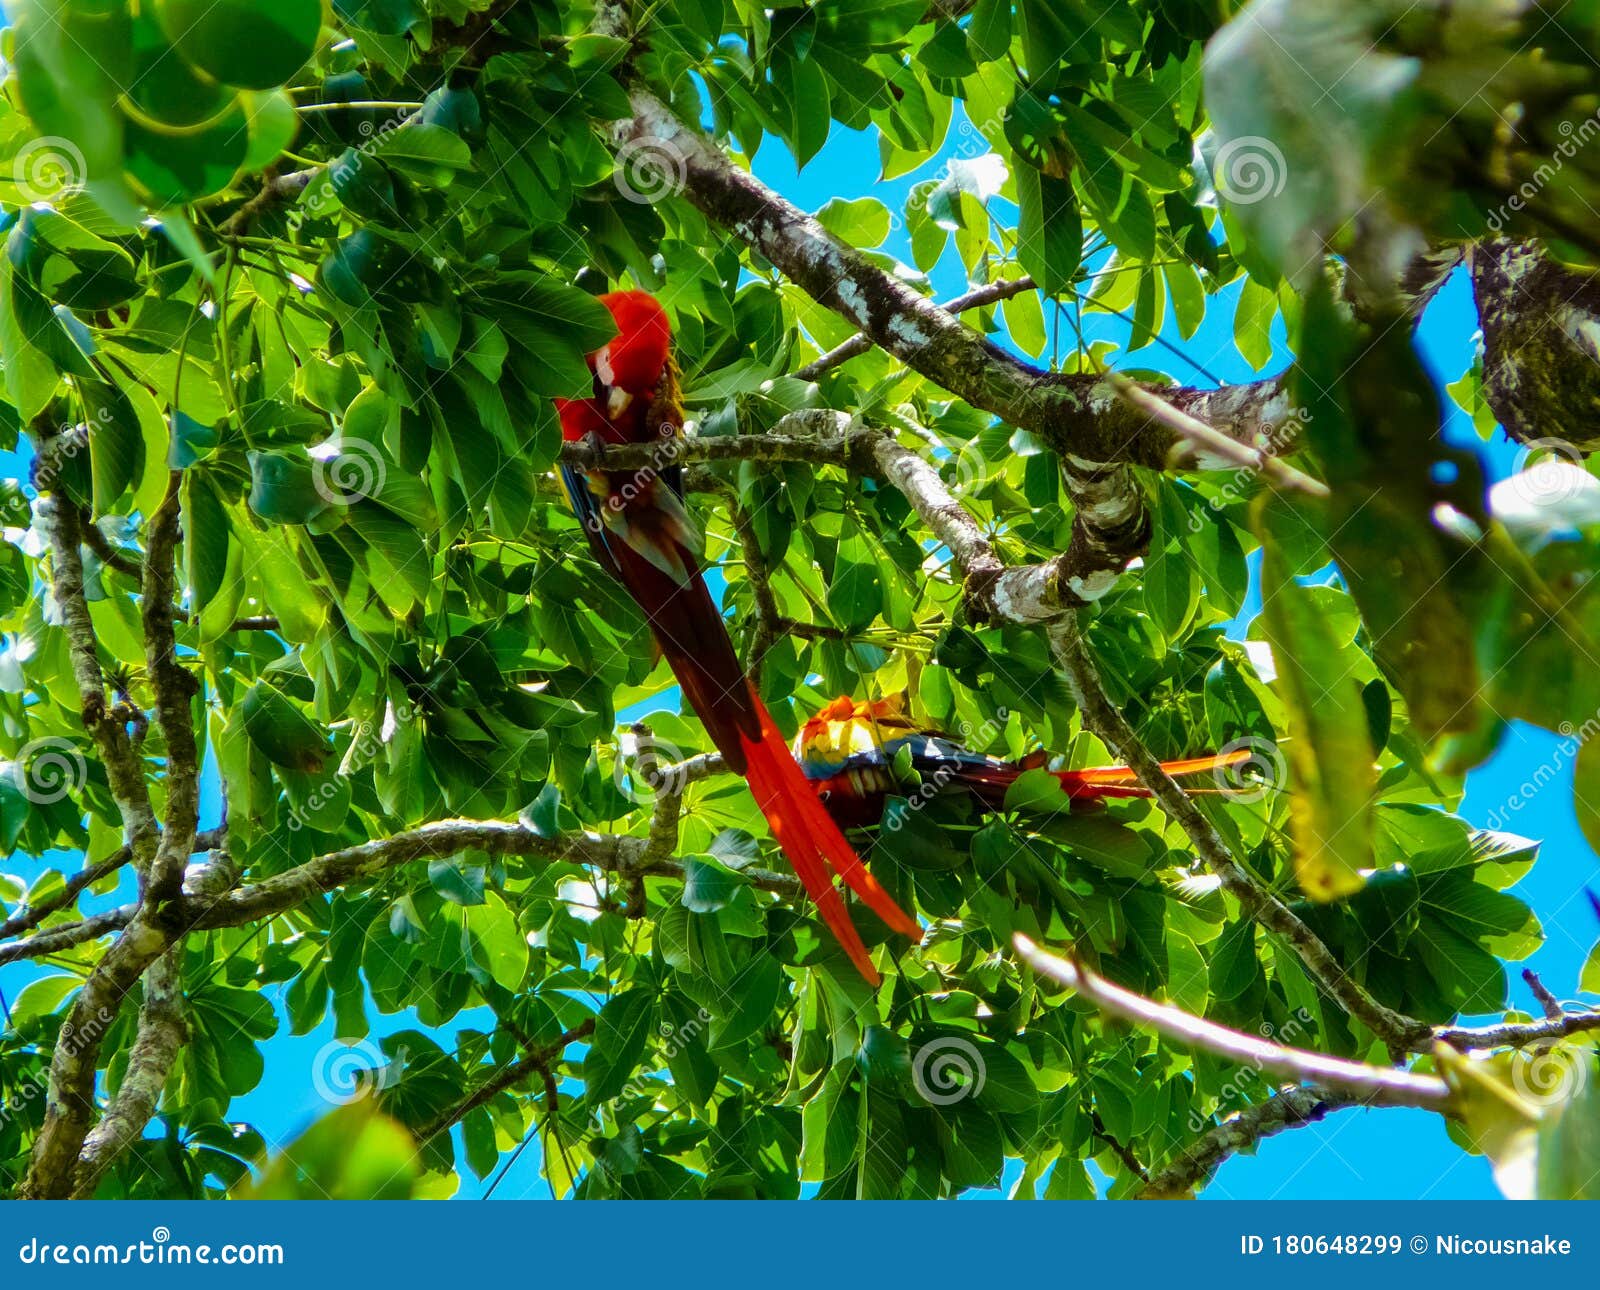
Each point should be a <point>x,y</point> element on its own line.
<point>848,750</point>
<point>641,533</point>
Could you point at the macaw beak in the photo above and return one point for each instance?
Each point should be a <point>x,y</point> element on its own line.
<point>617,400</point>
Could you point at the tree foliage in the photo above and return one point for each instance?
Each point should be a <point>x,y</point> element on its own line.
<point>288,291</point>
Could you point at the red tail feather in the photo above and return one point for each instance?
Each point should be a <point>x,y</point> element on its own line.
<point>691,635</point>
<point>1120,781</point>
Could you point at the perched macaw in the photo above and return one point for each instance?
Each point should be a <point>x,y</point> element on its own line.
<point>848,751</point>
<point>641,532</point>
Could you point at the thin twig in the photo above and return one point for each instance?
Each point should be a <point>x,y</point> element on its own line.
<point>1219,445</point>
<point>988,294</point>
<point>534,1063</point>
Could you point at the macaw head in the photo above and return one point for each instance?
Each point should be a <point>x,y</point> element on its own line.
<point>629,366</point>
<point>633,362</point>
<point>845,728</point>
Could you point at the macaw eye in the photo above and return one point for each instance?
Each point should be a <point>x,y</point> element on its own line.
<point>602,365</point>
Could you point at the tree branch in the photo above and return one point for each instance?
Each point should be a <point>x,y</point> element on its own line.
<point>162,1033</point>
<point>70,934</point>
<point>1541,343</point>
<point>1519,1034</point>
<point>977,298</point>
<point>1370,1085</point>
<point>1290,1107</point>
<point>33,915</point>
<point>536,1062</point>
<point>70,1107</point>
<point>56,939</point>
<point>1398,1032</point>
<point>60,520</point>
<point>1076,412</point>
<point>174,689</point>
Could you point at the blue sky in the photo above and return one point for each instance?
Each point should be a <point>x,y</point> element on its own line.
<point>1354,1154</point>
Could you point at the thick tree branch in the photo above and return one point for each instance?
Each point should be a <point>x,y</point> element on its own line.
<point>1399,1033</point>
<point>107,726</point>
<point>1096,434</point>
<point>1077,413</point>
<point>162,1032</point>
<point>616,853</point>
<point>1541,343</point>
<point>174,690</point>
<point>1370,1085</point>
<point>70,1107</point>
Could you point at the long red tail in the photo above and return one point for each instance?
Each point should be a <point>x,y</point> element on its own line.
<point>695,644</point>
<point>1120,781</point>
<point>989,778</point>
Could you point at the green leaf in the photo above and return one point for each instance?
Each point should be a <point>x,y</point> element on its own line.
<point>353,1153</point>
<point>1049,230</point>
<point>256,44</point>
<point>283,488</point>
<point>116,443</point>
<point>707,885</point>
<point>862,222</point>
<point>620,1036</point>
<point>1569,1140</point>
<point>1330,753</point>
<point>281,731</point>
<point>459,883</point>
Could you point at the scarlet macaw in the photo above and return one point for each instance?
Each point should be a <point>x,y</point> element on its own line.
<point>642,535</point>
<point>848,750</point>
